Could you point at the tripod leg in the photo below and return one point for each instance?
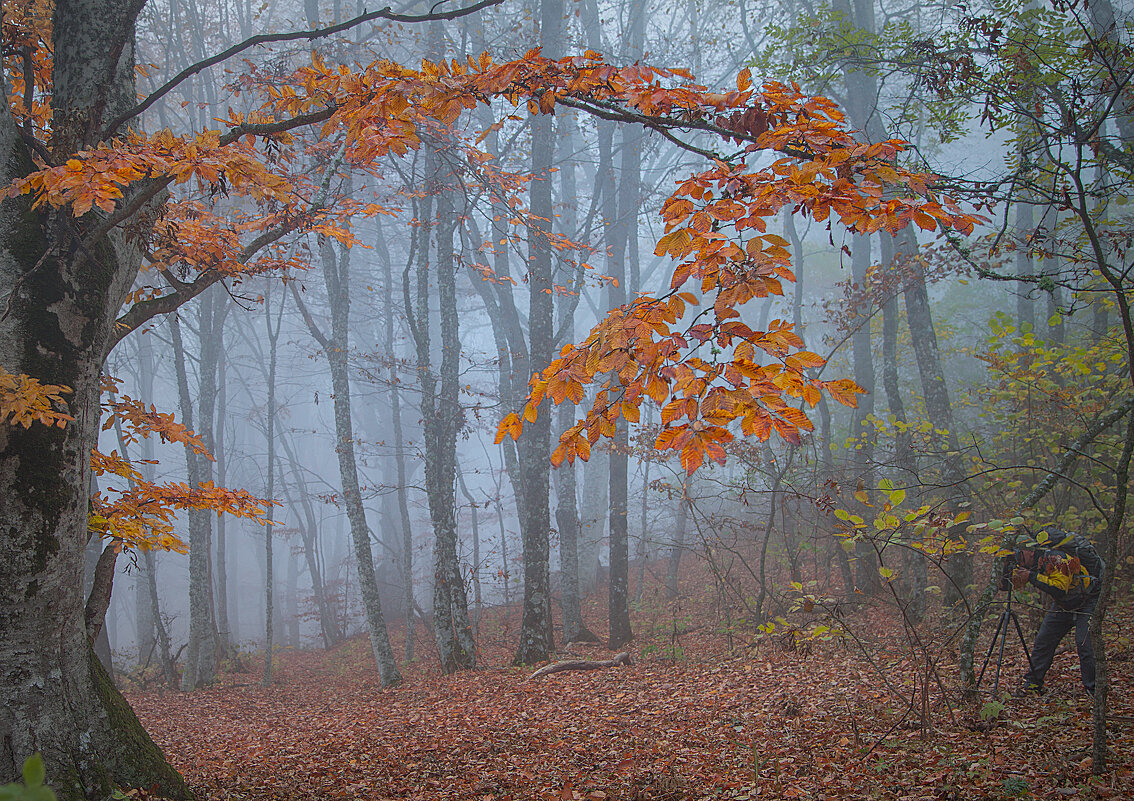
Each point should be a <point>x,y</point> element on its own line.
<point>1023,641</point>
<point>1008,614</point>
<point>1001,629</point>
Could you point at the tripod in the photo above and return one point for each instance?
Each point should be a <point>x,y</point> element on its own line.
<point>1001,635</point>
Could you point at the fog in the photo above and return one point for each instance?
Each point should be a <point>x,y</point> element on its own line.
<point>333,296</point>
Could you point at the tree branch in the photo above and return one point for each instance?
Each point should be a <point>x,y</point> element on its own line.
<point>99,599</point>
<point>291,36</point>
<point>312,326</point>
<point>611,111</point>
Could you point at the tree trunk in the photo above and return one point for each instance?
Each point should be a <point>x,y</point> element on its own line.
<point>1025,227</point>
<point>534,445</point>
<point>224,631</point>
<point>478,598</point>
<point>680,529</point>
<point>94,564</point>
<point>866,576</point>
<point>594,512</point>
<point>336,277</point>
<point>270,428</point>
<point>566,475</point>
<point>293,633</point>
<point>308,532</point>
<point>200,655</point>
<point>145,612</point>
<point>894,258</point>
<point>567,521</point>
<point>621,206</point>
<point>399,448</point>
<point>442,418</point>
<point>959,569</point>
<point>55,698</point>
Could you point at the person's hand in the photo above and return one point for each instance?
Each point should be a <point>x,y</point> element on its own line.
<point>1019,578</point>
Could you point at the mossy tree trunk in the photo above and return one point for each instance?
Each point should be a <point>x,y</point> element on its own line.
<point>66,285</point>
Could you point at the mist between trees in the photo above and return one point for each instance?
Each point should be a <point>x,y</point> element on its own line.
<point>526,324</point>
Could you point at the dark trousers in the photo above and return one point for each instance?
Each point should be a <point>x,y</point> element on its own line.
<point>1054,628</point>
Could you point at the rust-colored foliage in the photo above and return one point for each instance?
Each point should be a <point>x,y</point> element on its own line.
<point>24,400</point>
<point>708,369</point>
<point>705,369</point>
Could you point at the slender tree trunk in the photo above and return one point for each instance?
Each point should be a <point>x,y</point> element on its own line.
<point>336,276</point>
<point>478,600</point>
<point>624,197</point>
<point>292,598</point>
<point>680,530</point>
<point>145,611</point>
<point>862,429</point>
<point>534,446</point>
<point>270,426</point>
<point>169,669</point>
<point>566,475</point>
<point>1025,227</point>
<point>593,517</point>
<point>940,411</point>
<point>895,259</point>
<point>504,554</point>
<point>223,629</point>
<point>91,568</point>
<point>567,520</point>
<point>441,417</point>
<point>200,661</point>
<point>308,533</point>
<point>643,523</point>
<point>399,452</point>
<point>1109,548</point>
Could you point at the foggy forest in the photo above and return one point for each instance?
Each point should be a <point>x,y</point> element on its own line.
<point>575,400</point>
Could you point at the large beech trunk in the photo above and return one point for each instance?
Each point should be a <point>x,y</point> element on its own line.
<point>55,698</point>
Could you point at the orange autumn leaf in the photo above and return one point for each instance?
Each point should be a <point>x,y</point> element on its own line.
<point>24,400</point>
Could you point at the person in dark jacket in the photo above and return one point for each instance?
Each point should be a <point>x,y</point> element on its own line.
<point>1071,572</point>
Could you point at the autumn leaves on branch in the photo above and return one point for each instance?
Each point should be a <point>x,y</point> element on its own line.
<point>688,350</point>
<point>710,369</point>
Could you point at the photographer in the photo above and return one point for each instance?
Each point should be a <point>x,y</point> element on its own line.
<point>1071,573</point>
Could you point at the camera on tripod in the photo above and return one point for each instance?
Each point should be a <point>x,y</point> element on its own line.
<point>1010,565</point>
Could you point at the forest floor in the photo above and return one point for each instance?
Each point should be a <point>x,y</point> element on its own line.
<point>705,712</point>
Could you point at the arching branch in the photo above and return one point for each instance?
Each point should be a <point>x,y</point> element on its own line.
<point>291,36</point>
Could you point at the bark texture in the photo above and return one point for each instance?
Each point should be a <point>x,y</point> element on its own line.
<point>336,277</point>
<point>442,419</point>
<point>55,698</point>
<point>534,446</point>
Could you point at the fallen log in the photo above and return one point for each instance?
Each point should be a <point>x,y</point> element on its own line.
<point>583,664</point>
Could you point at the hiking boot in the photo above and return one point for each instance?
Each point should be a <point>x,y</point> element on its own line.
<point>1028,689</point>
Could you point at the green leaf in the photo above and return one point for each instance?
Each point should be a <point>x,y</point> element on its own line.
<point>897,496</point>
<point>885,572</point>
<point>886,484</point>
<point>887,521</point>
<point>34,771</point>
